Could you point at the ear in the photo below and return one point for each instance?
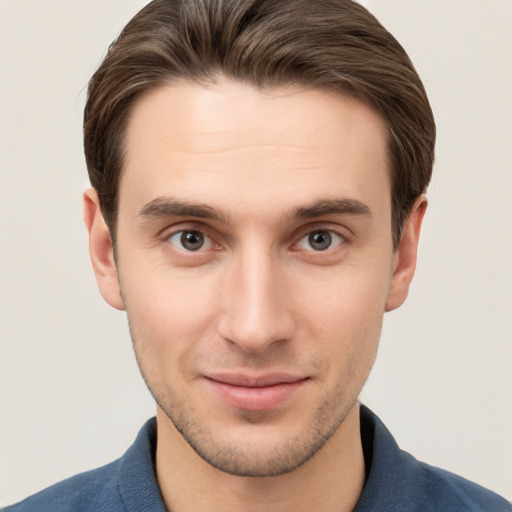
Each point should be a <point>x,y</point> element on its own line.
<point>405,256</point>
<point>101,251</point>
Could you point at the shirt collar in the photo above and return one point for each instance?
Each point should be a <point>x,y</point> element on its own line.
<point>136,476</point>
<point>391,480</point>
<point>392,475</point>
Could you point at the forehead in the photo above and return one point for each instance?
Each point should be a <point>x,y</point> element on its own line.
<point>228,142</point>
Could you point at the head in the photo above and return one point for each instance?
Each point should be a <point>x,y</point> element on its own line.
<point>258,170</point>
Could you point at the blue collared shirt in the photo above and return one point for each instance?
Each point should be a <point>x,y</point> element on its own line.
<point>396,482</point>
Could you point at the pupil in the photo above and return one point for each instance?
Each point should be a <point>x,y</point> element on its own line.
<point>192,240</point>
<point>320,240</point>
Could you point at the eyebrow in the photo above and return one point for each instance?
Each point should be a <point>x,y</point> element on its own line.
<point>335,206</point>
<point>170,207</point>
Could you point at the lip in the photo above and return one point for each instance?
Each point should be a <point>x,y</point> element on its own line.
<point>255,393</point>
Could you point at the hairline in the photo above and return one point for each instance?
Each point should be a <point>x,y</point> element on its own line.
<point>213,78</point>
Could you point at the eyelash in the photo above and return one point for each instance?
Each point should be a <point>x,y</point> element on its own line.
<point>333,237</point>
<point>183,232</point>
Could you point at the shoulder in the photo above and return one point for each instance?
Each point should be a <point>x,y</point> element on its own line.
<point>129,483</point>
<point>91,491</point>
<point>453,492</point>
<point>399,482</point>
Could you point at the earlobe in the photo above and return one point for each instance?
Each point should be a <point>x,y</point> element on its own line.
<point>101,251</point>
<point>406,256</point>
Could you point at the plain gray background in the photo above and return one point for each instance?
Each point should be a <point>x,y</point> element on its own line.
<point>70,395</point>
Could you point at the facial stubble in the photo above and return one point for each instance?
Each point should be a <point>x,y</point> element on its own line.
<point>247,459</point>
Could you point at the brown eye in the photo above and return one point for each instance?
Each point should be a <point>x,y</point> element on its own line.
<point>320,240</point>
<point>190,240</point>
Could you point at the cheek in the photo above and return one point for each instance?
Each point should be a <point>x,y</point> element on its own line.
<point>346,319</point>
<point>168,315</point>
<point>165,298</point>
<point>351,298</point>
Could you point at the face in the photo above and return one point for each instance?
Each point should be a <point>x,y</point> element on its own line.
<point>255,264</point>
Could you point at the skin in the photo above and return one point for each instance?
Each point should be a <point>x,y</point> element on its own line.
<point>265,178</point>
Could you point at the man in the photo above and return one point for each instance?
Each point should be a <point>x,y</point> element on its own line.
<point>258,173</point>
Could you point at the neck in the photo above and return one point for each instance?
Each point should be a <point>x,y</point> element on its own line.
<point>332,480</point>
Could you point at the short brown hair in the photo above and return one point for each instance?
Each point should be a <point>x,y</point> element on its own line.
<point>332,44</point>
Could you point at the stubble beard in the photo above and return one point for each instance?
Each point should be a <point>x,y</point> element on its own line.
<point>247,459</point>
<point>250,460</point>
<point>255,461</point>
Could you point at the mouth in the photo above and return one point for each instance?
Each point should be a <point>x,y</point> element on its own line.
<point>256,393</point>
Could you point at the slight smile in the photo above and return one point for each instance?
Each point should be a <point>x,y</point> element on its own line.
<point>255,393</point>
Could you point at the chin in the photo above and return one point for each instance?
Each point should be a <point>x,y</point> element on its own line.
<point>257,446</point>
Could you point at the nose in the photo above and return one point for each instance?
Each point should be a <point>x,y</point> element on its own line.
<point>256,310</point>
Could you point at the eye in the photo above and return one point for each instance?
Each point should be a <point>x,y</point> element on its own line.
<point>320,240</point>
<point>190,241</point>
